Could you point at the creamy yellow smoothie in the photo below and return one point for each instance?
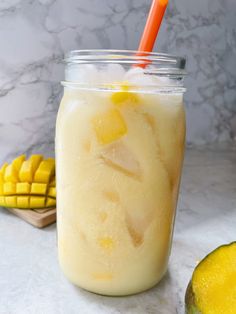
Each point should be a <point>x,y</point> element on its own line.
<point>119,153</point>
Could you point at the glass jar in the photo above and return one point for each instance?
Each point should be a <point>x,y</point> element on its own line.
<point>120,137</point>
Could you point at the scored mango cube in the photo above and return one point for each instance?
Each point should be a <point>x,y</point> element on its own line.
<point>9,188</point>
<point>45,171</point>
<point>50,159</point>
<point>11,201</point>
<point>52,192</point>
<point>29,167</point>
<point>12,170</point>
<point>2,201</point>
<point>22,188</point>
<point>26,174</point>
<point>38,188</point>
<point>37,202</point>
<point>2,171</point>
<point>53,182</point>
<point>35,161</point>
<point>23,201</point>
<point>50,202</point>
<point>17,162</point>
<point>109,126</point>
<point>19,188</point>
<point>10,174</point>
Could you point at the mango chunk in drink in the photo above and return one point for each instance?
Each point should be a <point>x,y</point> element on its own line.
<point>109,126</point>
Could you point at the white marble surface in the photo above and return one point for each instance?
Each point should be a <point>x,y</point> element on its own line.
<point>34,35</point>
<point>32,283</point>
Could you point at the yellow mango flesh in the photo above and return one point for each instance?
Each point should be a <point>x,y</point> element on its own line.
<point>17,162</point>
<point>35,161</point>
<point>29,167</point>
<point>12,170</point>
<point>22,188</point>
<point>37,202</point>
<point>124,96</point>
<point>109,126</point>
<point>2,172</point>
<point>50,202</point>
<point>52,182</point>
<point>18,187</point>
<point>106,243</point>
<point>23,201</point>
<point>45,171</point>
<point>214,282</point>
<point>2,201</point>
<point>52,192</point>
<point>11,201</point>
<point>10,174</point>
<point>9,188</point>
<point>38,188</point>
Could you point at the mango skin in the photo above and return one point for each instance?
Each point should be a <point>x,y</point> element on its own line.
<point>190,307</point>
<point>190,299</point>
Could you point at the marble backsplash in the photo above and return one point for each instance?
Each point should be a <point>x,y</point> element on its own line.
<point>35,34</point>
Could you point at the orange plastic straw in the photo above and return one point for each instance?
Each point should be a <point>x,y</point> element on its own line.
<point>152,26</point>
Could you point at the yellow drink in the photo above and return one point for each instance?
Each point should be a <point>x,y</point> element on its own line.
<point>119,157</point>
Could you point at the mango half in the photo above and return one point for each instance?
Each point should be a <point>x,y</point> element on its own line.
<point>28,183</point>
<point>212,289</point>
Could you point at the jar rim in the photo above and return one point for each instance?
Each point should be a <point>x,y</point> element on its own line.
<point>166,62</point>
<point>153,64</point>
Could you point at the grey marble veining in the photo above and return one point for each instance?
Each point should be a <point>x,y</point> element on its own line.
<point>35,34</point>
<point>32,283</point>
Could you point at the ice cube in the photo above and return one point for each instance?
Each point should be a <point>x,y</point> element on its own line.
<point>83,74</point>
<point>137,226</point>
<point>150,120</point>
<point>120,158</point>
<point>112,74</point>
<point>137,77</point>
<point>147,77</point>
<point>133,72</point>
<point>136,236</point>
<point>162,81</point>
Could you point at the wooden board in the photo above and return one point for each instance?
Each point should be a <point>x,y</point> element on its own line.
<point>40,218</point>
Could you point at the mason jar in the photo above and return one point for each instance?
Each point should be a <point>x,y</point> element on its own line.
<point>120,136</point>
